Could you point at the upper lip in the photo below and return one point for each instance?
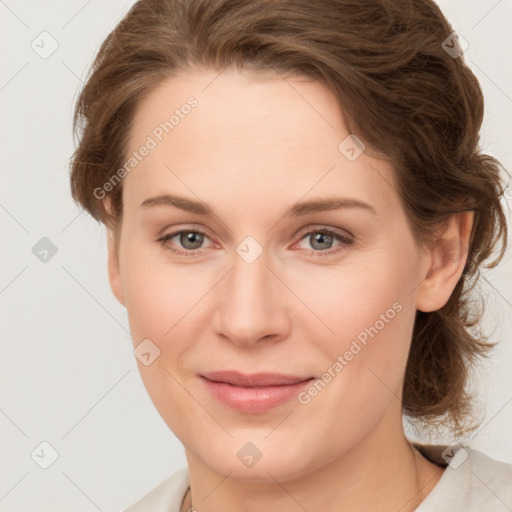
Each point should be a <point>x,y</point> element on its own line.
<point>253,380</point>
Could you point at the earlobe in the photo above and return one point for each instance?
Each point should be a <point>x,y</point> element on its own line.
<point>447,259</point>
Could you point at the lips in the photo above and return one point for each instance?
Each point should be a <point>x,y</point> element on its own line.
<point>253,380</point>
<point>256,393</point>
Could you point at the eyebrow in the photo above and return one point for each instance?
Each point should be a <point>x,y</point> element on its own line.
<point>296,210</point>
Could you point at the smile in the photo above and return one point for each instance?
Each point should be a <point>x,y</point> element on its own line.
<point>255,393</point>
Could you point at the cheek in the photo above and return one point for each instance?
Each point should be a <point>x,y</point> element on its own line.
<point>158,295</point>
<point>342,302</point>
<point>160,300</point>
<point>370,313</point>
<point>362,293</point>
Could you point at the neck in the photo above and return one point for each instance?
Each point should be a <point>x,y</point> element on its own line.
<point>379,473</point>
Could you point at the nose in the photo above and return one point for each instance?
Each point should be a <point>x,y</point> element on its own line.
<point>251,303</point>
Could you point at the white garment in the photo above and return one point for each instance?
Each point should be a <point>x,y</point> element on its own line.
<point>472,482</point>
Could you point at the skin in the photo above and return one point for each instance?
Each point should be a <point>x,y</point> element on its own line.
<point>254,145</point>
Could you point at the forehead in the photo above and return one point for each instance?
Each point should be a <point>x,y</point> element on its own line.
<point>260,134</point>
<point>233,107</point>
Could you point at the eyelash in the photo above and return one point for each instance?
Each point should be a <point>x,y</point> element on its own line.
<point>345,240</point>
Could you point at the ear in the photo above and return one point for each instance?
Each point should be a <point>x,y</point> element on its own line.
<point>445,262</point>
<point>114,274</point>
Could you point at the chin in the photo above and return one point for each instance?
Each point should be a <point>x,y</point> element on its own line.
<point>259,460</point>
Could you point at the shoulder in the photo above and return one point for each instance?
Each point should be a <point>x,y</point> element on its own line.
<point>166,497</point>
<point>491,477</point>
<point>471,481</point>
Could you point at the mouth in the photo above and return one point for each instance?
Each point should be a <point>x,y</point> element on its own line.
<point>254,393</point>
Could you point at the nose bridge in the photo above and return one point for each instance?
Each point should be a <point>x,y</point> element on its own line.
<point>251,303</point>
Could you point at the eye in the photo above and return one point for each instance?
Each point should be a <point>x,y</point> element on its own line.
<point>322,239</point>
<point>189,239</point>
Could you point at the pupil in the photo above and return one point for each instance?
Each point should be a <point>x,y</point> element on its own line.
<point>322,238</point>
<point>191,240</point>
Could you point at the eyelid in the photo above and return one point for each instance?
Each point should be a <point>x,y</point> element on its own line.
<point>343,242</point>
<point>186,227</point>
<point>300,233</point>
<point>343,233</point>
<point>345,238</point>
<point>164,238</point>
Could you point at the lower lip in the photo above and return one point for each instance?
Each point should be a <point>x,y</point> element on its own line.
<point>254,399</point>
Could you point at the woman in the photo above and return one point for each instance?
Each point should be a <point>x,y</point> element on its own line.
<point>297,209</point>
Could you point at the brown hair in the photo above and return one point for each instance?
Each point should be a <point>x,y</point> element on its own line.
<point>401,93</point>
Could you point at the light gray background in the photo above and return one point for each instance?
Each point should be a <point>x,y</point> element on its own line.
<point>68,375</point>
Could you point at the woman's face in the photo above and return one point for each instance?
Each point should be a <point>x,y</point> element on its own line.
<point>244,288</point>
